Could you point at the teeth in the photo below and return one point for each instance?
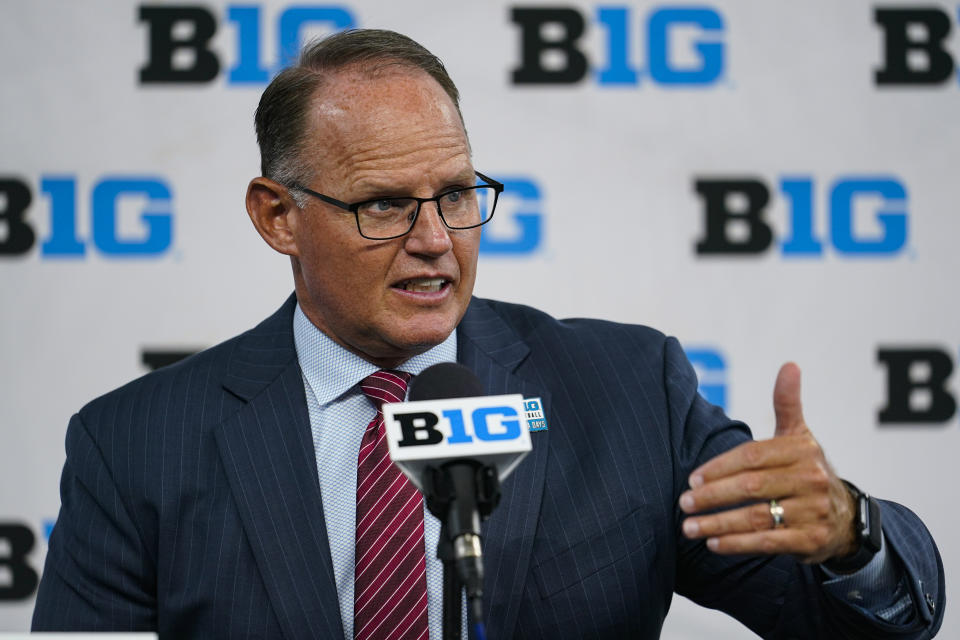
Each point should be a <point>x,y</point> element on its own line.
<point>424,285</point>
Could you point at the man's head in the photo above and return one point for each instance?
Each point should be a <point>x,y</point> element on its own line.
<point>367,115</point>
<point>281,119</point>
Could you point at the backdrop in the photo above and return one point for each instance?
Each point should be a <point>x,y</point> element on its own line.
<point>766,181</point>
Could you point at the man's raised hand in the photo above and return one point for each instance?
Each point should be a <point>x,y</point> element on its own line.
<point>818,510</point>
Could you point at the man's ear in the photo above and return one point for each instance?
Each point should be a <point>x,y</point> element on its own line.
<point>273,211</point>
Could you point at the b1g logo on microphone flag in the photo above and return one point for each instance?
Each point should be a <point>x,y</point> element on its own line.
<point>492,428</point>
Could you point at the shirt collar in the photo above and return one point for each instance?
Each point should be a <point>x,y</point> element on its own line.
<point>331,370</point>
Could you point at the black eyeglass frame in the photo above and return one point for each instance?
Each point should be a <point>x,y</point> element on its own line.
<point>354,207</point>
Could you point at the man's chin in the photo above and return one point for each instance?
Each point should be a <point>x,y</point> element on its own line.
<point>422,336</point>
<point>420,341</point>
<point>401,337</point>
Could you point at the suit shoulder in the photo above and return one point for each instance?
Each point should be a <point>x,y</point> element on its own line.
<point>532,324</point>
<point>196,381</point>
<point>171,383</point>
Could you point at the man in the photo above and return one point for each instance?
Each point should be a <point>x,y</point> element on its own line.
<point>229,495</point>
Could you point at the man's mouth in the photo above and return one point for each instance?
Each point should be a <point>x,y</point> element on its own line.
<point>423,285</point>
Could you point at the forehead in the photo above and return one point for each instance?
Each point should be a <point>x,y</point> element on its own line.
<point>396,124</point>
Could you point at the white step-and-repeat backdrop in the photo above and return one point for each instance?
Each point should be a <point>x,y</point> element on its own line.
<point>768,181</point>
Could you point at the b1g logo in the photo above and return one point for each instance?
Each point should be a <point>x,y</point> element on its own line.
<point>735,217</point>
<point>914,46</point>
<point>179,39</point>
<point>711,368</point>
<point>155,358</point>
<point>517,224</point>
<point>917,390</point>
<point>428,430</point>
<point>129,216</point>
<point>684,46</point>
<point>488,424</point>
<point>18,579</point>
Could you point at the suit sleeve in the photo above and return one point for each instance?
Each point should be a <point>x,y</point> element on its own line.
<point>776,596</point>
<point>98,574</point>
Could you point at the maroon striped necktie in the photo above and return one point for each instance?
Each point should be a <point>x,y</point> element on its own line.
<point>390,590</point>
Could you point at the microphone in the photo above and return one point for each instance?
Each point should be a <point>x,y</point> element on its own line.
<point>456,445</point>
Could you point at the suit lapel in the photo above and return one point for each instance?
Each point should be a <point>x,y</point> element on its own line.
<point>267,453</point>
<point>491,348</point>
<point>268,456</point>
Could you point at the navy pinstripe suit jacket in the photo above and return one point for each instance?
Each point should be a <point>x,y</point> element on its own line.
<point>190,500</point>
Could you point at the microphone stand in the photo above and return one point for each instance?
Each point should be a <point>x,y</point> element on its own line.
<point>452,587</point>
<point>461,494</point>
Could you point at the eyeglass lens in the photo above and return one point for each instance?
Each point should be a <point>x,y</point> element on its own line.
<point>461,209</point>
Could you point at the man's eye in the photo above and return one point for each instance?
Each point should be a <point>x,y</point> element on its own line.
<point>379,207</point>
<point>453,197</point>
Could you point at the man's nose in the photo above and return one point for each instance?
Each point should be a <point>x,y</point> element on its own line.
<point>429,236</point>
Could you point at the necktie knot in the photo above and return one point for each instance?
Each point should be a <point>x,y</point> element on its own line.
<point>385,385</point>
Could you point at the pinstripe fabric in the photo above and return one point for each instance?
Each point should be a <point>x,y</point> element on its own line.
<point>190,503</point>
<point>587,540</point>
<point>190,500</point>
<point>390,589</point>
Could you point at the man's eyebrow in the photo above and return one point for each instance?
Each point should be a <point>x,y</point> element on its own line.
<point>375,188</point>
<point>466,177</point>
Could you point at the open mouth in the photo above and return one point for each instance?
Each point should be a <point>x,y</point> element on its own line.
<point>423,285</point>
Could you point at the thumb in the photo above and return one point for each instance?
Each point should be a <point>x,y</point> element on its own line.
<point>786,402</point>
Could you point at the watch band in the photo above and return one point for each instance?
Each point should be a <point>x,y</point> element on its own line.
<point>867,529</point>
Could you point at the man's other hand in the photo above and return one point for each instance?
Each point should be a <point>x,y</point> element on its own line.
<point>818,510</point>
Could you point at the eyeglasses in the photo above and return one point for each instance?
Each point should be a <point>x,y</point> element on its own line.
<point>388,218</point>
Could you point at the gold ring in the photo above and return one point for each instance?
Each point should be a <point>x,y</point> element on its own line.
<point>776,512</point>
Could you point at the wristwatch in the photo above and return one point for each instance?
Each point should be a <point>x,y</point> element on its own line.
<point>867,529</point>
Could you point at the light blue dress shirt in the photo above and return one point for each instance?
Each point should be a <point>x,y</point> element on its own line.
<point>339,414</point>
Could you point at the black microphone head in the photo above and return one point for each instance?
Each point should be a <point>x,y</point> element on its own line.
<point>445,380</point>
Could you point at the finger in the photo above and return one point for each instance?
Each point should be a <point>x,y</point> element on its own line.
<point>748,486</point>
<point>786,401</point>
<point>764,454</point>
<point>797,512</point>
<point>805,543</point>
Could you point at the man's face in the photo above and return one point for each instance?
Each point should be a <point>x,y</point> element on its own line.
<point>393,134</point>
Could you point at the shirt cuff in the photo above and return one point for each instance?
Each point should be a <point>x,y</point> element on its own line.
<point>877,588</point>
